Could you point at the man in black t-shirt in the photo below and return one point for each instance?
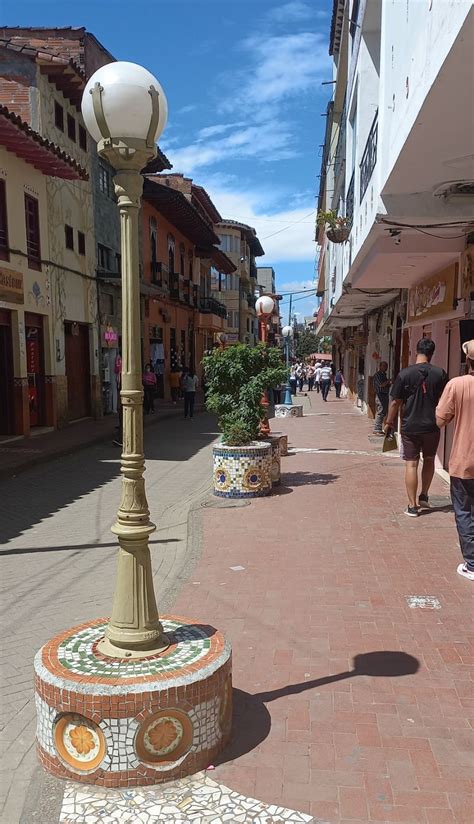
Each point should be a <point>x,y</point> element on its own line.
<point>416,392</point>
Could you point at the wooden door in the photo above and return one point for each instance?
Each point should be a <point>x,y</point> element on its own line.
<point>6,374</point>
<point>78,375</point>
<point>35,367</point>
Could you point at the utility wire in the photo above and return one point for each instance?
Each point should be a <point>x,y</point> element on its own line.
<point>289,226</point>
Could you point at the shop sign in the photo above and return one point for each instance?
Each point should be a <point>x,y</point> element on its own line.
<point>11,286</point>
<point>232,337</point>
<point>110,337</point>
<point>433,296</point>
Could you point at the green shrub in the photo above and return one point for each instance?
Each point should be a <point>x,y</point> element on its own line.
<point>236,378</point>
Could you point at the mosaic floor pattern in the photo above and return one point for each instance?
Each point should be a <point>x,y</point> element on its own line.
<point>194,800</point>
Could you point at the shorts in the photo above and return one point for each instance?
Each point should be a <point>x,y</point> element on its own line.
<point>424,442</point>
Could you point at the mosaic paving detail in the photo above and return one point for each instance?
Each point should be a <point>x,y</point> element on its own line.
<point>294,411</point>
<point>78,653</point>
<point>423,602</point>
<point>243,471</point>
<point>198,799</point>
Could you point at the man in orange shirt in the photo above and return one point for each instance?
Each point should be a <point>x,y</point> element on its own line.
<point>457,402</point>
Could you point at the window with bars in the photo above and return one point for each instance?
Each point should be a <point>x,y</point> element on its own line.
<point>33,245</point>
<point>4,248</point>
<point>71,128</point>
<point>82,138</point>
<point>104,180</point>
<point>58,116</point>
<point>103,257</point>
<point>69,237</point>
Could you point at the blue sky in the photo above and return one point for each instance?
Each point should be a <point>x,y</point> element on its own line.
<point>243,82</point>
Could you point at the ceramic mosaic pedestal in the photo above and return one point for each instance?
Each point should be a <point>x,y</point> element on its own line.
<point>274,441</point>
<point>121,722</point>
<point>242,471</point>
<point>284,411</point>
<point>283,443</point>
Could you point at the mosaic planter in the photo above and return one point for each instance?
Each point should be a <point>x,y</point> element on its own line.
<point>283,443</point>
<point>242,471</point>
<point>284,411</point>
<point>119,722</point>
<point>274,441</point>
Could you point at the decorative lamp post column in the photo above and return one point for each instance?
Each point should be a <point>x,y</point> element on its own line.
<point>287,333</point>
<point>264,307</point>
<point>125,111</point>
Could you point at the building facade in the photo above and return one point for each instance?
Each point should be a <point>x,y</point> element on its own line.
<point>241,244</point>
<point>397,164</point>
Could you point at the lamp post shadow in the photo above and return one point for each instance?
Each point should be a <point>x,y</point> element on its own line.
<point>252,720</point>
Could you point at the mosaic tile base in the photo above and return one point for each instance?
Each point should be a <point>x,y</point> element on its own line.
<point>283,442</point>
<point>274,441</point>
<point>121,722</point>
<point>198,799</point>
<point>283,411</point>
<point>242,471</point>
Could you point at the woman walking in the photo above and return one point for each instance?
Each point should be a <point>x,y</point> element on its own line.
<point>338,382</point>
<point>293,380</point>
<point>149,386</point>
<point>190,384</point>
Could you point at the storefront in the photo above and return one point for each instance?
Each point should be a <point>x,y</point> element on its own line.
<point>437,310</point>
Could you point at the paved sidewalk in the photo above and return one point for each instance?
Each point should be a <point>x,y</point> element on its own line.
<point>20,454</point>
<point>353,702</point>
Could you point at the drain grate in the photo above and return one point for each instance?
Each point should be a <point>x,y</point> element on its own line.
<point>225,503</point>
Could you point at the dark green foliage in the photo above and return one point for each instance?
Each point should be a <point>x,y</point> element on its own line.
<point>308,343</point>
<point>236,378</point>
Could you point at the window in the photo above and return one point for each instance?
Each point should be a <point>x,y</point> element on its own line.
<point>81,243</point>
<point>118,263</point>
<point>4,253</point>
<point>58,116</point>
<point>106,304</point>
<point>171,254</point>
<point>71,128</point>
<point>103,257</point>
<point>69,236</point>
<point>33,246</point>
<point>82,138</point>
<point>104,180</point>
<point>230,243</point>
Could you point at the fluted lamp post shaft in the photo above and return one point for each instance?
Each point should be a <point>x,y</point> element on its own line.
<point>134,629</point>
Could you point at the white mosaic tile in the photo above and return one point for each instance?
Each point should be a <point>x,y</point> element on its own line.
<point>196,799</point>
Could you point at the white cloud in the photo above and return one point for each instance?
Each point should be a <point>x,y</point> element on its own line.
<point>290,12</point>
<point>219,128</point>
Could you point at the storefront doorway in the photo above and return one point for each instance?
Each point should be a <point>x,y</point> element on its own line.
<point>76,337</point>
<point>6,374</point>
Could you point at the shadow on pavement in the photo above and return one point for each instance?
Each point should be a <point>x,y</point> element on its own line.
<point>307,479</point>
<point>252,721</point>
<point>70,547</point>
<point>38,493</point>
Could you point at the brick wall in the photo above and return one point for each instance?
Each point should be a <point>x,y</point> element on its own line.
<point>71,43</point>
<point>17,76</point>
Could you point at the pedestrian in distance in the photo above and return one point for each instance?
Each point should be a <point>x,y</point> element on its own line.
<point>326,378</point>
<point>338,382</point>
<point>301,377</point>
<point>415,393</point>
<point>310,374</point>
<point>189,384</point>
<point>149,387</point>
<point>317,376</point>
<point>457,404</point>
<point>382,390</point>
<point>175,382</point>
<point>293,380</point>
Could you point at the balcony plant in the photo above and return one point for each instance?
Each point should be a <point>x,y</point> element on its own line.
<point>339,226</point>
<point>236,378</point>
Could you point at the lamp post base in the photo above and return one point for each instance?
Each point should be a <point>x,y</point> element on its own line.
<point>122,722</point>
<point>283,410</point>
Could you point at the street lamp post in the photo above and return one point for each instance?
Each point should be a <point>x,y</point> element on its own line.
<point>264,306</point>
<point>125,111</point>
<point>287,333</point>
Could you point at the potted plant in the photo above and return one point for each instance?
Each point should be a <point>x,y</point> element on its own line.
<point>236,378</point>
<point>339,227</point>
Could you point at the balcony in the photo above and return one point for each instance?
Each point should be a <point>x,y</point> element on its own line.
<point>350,201</point>
<point>159,274</point>
<point>213,306</point>
<point>174,286</point>
<point>340,153</point>
<point>369,158</point>
<point>212,315</point>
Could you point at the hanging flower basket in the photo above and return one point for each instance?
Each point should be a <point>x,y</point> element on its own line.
<point>338,234</point>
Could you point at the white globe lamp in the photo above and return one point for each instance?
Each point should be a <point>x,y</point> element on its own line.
<point>264,305</point>
<point>287,331</point>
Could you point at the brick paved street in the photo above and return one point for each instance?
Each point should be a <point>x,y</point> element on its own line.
<point>322,573</point>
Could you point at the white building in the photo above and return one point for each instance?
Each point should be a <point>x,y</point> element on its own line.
<point>398,162</point>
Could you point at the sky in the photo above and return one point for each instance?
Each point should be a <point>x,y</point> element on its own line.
<point>243,84</point>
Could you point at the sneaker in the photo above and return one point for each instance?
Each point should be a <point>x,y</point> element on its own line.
<point>412,511</point>
<point>465,572</point>
<point>423,502</point>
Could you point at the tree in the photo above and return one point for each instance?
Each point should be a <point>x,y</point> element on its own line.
<point>308,343</point>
